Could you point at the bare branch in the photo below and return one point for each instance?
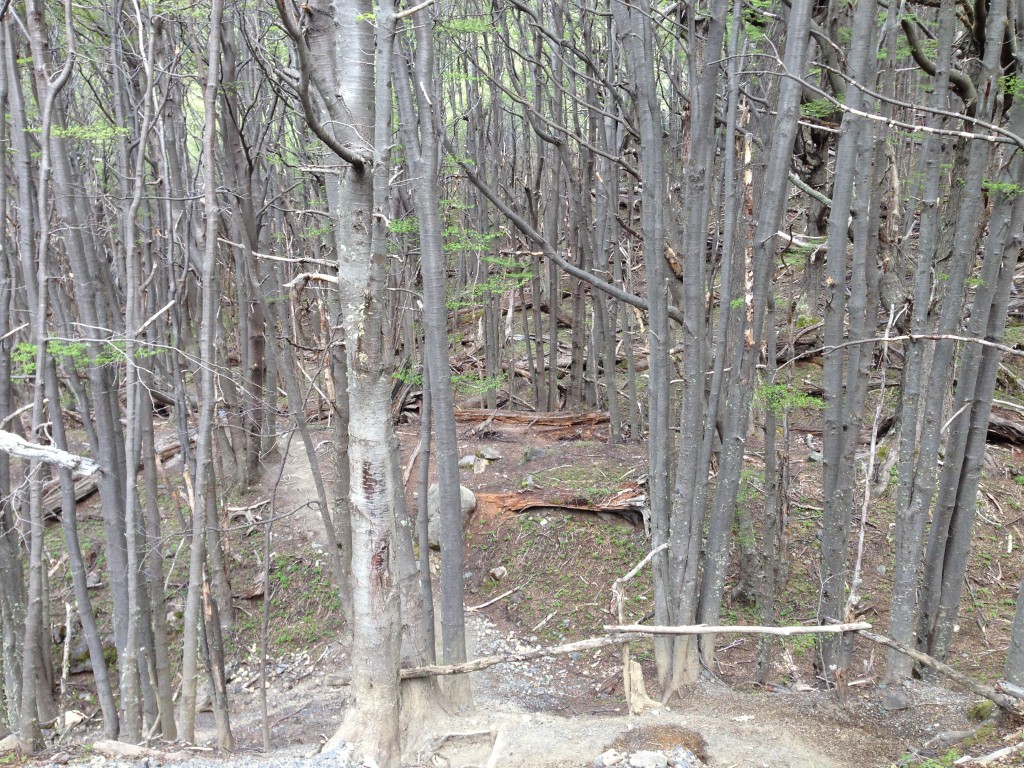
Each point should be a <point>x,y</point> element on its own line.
<point>23,449</point>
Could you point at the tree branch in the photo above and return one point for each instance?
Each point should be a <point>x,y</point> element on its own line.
<point>23,449</point>
<point>958,81</point>
<point>524,226</point>
<point>986,691</point>
<point>349,155</point>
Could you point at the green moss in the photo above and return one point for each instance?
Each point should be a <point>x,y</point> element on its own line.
<point>980,710</point>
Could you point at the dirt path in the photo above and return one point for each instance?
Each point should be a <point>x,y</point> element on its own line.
<point>550,713</point>
<point>781,730</point>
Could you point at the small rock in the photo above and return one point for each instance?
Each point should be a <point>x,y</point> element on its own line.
<point>609,758</point>
<point>645,759</point>
<point>468,503</point>
<point>894,700</point>
<point>534,453</point>
<point>486,452</point>
<point>466,462</point>
<point>93,580</point>
<point>499,573</point>
<point>682,757</point>
<point>72,718</point>
<point>9,743</point>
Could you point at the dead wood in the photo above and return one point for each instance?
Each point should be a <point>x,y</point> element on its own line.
<point>87,486</point>
<point>493,600</point>
<point>985,691</point>
<point>999,754</point>
<point>621,634</point>
<point>485,662</point>
<point>1005,429</point>
<point>705,629</point>
<point>119,749</point>
<point>627,501</point>
<point>532,419</point>
<point>23,449</point>
<point>1005,686</point>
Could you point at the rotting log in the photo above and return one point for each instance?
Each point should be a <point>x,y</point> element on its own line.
<point>532,418</point>
<point>1003,701</point>
<point>627,501</point>
<point>1005,429</point>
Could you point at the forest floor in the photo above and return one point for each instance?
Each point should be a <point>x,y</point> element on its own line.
<point>545,572</point>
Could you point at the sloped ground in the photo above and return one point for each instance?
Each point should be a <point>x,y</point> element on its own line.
<point>552,570</point>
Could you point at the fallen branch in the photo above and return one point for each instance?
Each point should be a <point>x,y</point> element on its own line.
<point>119,749</point>
<point>493,600</point>
<point>985,691</point>
<point>23,449</point>
<point>992,757</point>
<point>704,629</point>
<point>485,662</point>
<point>1005,686</point>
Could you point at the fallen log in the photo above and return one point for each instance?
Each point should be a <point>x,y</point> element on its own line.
<point>531,418</point>
<point>120,749</point>
<point>1005,686</point>
<point>1003,429</point>
<point>1003,701</point>
<point>625,502</point>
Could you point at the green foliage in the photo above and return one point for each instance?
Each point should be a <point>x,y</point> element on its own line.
<point>407,225</point>
<point>458,238</point>
<point>311,233</point>
<point>508,277</point>
<point>737,303</point>
<point>73,353</point>
<point>754,20</point>
<point>88,132</point>
<point>779,399</point>
<point>473,26</point>
<point>472,384</point>
<point>409,374</point>
<point>945,761</point>
<point>980,710</point>
<point>1012,85</point>
<point>818,109</point>
<point>1001,188</point>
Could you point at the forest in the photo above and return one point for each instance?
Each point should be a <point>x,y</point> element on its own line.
<point>725,227</point>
